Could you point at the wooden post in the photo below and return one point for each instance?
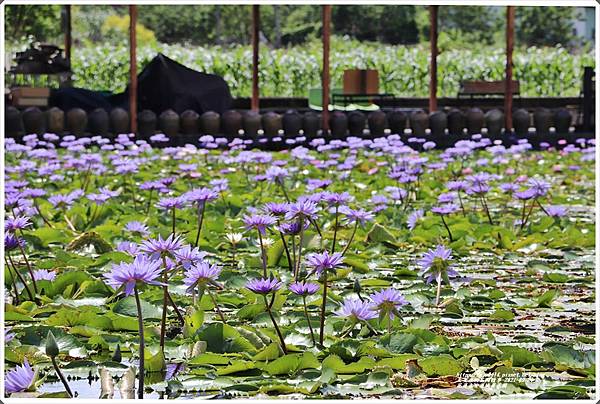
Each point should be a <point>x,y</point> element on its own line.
<point>325,77</point>
<point>433,38</point>
<point>255,44</point>
<point>132,69</point>
<point>510,43</point>
<point>68,36</point>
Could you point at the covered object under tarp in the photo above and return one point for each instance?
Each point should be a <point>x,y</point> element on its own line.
<point>163,84</point>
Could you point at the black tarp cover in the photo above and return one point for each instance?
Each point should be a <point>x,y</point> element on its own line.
<point>163,84</point>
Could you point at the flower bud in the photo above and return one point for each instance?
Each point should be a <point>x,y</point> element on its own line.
<point>51,345</point>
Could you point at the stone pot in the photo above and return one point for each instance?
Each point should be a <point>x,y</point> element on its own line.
<point>76,121</point>
<point>542,120</point>
<point>210,123</point>
<point>252,122</point>
<point>356,123</point>
<point>292,123</point>
<point>190,122</point>
<point>55,120</point>
<point>231,123</point>
<point>397,121</point>
<point>456,123</point>
<point>438,122</point>
<point>562,121</point>
<point>271,123</point>
<point>311,123</point>
<point>338,124</point>
<point>168,122</point>
<point>34,121</point>
<point>475,120</point>
<point>119,121</point>
<point>146,123</point>
<point>13,123</point>
<point>494,122</point>
<point>521,122</point>
<point>377,123</point>
<point>98,122</point>
<point>419,121</point>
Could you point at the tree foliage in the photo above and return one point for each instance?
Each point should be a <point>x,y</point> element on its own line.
<point>543,26</point>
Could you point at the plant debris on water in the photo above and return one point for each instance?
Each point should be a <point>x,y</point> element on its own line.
<point>363,268</point>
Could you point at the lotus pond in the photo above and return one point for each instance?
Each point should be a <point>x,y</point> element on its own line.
<point>344,269</point>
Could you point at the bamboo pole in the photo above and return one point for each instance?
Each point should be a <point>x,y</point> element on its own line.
<point>254,104</point>
<point>433,39</point>
<point>510,42</point>
<point>132,69</point>
<point>326,9</point>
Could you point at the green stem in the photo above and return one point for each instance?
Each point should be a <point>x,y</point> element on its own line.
<point>351,239</point>
<point>335,229</point>
<point>142,343</point>
<point>312,334</point>
<point>21,278</point>
<point>216,306</point>
<point>263,254</point>
<point>282,341</point>
<point>61,376</point>
<point>163,321</point>
<point>322,324</point>
<point>201,207</point>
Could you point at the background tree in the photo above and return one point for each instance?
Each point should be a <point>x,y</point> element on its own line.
<point>544,26</point>
<point>40,21</point>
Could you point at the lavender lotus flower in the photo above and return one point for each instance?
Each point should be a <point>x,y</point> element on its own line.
<point>128,247</point>
<point>435,263</point>
<point>524,195</point>
<point>413,218</point>
<point>137,227</point>
<point>445,209</point>
<point>356,310</point>
<point>539,187</point>
<point>203,194</point>
<point>556,211</point>
<point>388,301</point>
<point>304,209</point>
<point>161,247</point>
<point>19,379</point>
<point>44,274</point>
<point>168,203</point>
<point>188,255</point>
<point>259,222</point>
<point>359,216</point>
<point>17,223</point>
<point>321,262</point>
<point>264,286</point>
<point>142,269</point>
<point>8,335</point>
<point>276,208</point>
<point>12,242</point>
<point>201,274</point>
<point>509,188</point>
<point>303,288</point>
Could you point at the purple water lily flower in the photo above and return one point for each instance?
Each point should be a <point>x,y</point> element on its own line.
<point>259,222</point>
<point>189,255</point>
<point>142,269</point>
<point>137,227</point>
<point>445,209</point>
<point>324,261</point>
<point>435,262</point>
<point>203,194</point>
<point>16,223</point>
<point>264,286</point>
<point>168,203</point>
<point>359,216</point>
<point>303,209</point>
<point>201,274</point>
<point>276,208</point>
<point>539,187</point>
<point>159,246</point>
<point>525,195</point>
<point>128,247</point>
<point>44,274</point>
<point>12,242</point>
<point>356,310</point>
<point>387,301</point>
<point>556,211</point>
<point>413,218</point>
<point>19,379</point>
<point>304,289</point>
